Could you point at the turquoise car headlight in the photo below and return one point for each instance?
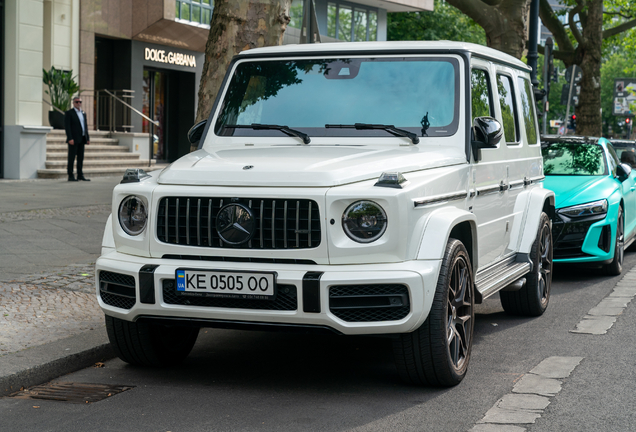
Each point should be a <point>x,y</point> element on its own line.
<point>595,208</point>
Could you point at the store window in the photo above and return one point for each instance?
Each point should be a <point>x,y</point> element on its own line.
<point>195,11</point>
<point>351,23</point>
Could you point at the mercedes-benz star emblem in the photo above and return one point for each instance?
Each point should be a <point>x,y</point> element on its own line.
<point>235,224</point>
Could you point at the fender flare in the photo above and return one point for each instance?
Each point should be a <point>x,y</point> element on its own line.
<point>437,230</point>
<point>539,197</point>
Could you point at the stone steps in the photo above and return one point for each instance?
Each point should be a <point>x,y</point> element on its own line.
<point>90,172</point>
<point>95,155</point>
<point>103,157</point>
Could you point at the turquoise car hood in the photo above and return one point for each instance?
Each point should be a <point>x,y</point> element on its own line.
<point>573,190</point>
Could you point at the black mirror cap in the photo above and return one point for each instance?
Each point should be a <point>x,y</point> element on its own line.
<point>196,132</point>
<point>623,171</point>
<point>488,132</point>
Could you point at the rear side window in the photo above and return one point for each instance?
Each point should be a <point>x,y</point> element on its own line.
<point>508,108</point>
<point>529,115</point>
<point>481,97</point>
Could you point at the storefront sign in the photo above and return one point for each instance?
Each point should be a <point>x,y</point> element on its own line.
<point>161,56</point>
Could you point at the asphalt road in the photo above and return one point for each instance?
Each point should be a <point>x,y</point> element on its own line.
<point>253,381</point>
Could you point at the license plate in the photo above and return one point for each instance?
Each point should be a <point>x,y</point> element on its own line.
<point>227,284</point>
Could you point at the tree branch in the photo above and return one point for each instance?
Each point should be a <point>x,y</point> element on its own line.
<point>553,24</point>
<point>573,28</point>
<point>620,14</point>
<point>480,11</point>
<point>619,29</point>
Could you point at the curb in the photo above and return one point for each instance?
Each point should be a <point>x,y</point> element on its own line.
<point>43,363</point>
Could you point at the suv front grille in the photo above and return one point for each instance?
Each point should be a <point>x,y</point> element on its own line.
<point>117,289</point>
<point>280,224</point>
<point>369,303</point>
<point>286,299</point>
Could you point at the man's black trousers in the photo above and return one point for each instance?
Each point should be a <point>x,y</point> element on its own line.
<point>76,149</point>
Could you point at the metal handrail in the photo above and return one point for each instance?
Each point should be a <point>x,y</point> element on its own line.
<point>132,108</point>
<point>54,107</point>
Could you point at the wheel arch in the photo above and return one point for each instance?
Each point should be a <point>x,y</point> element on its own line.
<point>444,224</point>
<point>541,200</point>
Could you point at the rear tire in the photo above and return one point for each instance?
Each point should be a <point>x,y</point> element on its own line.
<point>144,344</point>
<point>533,298</point>
<point>437,353</point>
<point>616,266</point>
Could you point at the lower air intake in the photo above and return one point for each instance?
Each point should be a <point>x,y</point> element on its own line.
<point>369,303</point>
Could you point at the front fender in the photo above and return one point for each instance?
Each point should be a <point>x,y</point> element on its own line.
<point>437,231</point>
<point>108,240</point>
<point>539,197</point>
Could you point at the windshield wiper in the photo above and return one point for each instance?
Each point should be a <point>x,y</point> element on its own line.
<point>284,129</point>
<point>389,128</point>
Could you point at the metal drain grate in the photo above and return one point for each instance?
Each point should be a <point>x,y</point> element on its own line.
<point>72,392</point>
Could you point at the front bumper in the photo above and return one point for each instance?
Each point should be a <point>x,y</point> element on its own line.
<point>584,240</point>
<point>395,298</point>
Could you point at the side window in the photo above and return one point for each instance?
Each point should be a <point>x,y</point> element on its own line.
<point>527,105</point>
<point>508,108</point>
<point>480,94</point>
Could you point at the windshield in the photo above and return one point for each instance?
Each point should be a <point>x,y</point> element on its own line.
<point>574,159</point>
<point>419,95</point>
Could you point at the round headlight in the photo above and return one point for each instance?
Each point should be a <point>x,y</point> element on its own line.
<point>364,221</point>
<point>133,215</point>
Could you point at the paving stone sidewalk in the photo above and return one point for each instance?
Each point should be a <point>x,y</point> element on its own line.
<point>45,307</point>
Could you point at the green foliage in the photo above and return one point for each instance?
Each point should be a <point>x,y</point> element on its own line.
<point>62,87</point>
<point>444,23</point>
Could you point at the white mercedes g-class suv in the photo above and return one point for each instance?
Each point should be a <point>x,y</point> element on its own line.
<point>377,188</point>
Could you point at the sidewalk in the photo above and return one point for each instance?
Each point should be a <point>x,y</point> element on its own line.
<point>50,237</point>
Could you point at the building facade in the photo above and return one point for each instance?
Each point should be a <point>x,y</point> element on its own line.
<point>138,64</point>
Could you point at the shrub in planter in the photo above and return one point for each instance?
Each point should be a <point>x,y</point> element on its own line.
<point>62,87</point>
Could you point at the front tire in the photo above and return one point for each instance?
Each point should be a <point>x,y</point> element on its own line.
<point>437,353</point>
<point>616,266</point>
<point>144,344</point>
<point>533,298</point>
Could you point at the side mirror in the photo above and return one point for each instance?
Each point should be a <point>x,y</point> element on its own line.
<point>623,171</point>
<point>196,132</point>
<point>487,133</point>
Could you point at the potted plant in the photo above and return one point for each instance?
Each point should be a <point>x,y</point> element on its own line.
<point>62,87</point>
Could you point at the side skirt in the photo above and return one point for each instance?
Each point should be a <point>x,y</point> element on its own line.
<point>498,276</point>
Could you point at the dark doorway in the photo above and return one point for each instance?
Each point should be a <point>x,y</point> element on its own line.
<point>168,98</point>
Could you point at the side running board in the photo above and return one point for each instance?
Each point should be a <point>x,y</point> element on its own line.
<point>499,276</point>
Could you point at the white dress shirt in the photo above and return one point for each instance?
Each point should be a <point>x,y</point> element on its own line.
<point>81,119</point>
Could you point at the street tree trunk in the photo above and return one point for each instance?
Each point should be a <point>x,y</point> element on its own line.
<point>588,112</point>
<point>237,25</point>
<point>504,21</point>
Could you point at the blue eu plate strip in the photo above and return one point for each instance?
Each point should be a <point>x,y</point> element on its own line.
<point>181,280</point>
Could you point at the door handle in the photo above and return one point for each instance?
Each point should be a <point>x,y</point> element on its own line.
<point>633,188</point>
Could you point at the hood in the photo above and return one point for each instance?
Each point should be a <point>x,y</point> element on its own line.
<point>573,190</point>
<point>303,166</point>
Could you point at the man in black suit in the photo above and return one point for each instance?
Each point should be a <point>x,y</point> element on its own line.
<point>76,137</point>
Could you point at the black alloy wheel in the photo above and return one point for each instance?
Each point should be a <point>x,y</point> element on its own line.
<point>437,353</point>
<point>533,298</point>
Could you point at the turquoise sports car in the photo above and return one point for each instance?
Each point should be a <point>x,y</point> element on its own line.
<point>595,216</point>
